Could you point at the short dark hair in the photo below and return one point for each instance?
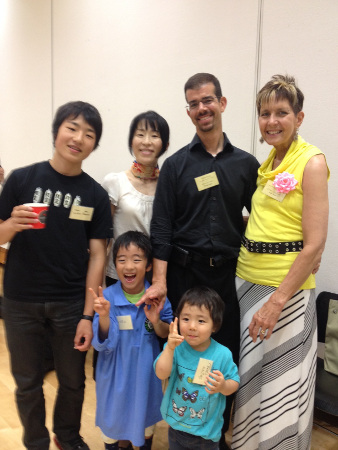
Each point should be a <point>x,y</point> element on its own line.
<point>156,122</point>
<point>197,80</point>
<point>75,109</point>
<point>207,297</point>
<point>281,87</point>
<point>133,237</point>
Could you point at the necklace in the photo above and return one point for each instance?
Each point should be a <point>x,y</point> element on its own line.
<point>146,172</point>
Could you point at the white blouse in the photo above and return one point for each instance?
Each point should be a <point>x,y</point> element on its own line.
<point>133,210</point>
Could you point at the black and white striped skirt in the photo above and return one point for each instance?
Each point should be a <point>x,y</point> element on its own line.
<point>274,403</point>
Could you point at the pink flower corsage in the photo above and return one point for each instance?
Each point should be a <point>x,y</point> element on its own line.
<point>285,182</point>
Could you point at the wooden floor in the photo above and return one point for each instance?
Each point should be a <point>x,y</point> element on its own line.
<point>10,428</point>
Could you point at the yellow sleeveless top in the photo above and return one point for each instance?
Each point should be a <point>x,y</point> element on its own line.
<point>274,221</point>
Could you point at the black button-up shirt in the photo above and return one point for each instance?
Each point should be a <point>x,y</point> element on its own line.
<point>208,222</point>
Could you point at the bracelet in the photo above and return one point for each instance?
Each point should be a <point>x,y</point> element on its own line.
<point>85,317</point>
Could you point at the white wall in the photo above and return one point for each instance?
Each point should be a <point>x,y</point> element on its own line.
<point>127,56</point>
<point>25,82</point>
<point>133,55</point>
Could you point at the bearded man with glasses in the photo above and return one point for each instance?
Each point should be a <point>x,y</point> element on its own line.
<point>197,221</point>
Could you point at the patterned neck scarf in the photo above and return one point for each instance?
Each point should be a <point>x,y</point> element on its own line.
<point>146,172</point>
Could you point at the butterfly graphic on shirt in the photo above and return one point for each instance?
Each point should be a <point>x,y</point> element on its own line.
<point>178,391</point>
<point>180,411</point>
<point>190,380</point>
<point>186,396</point>
<point>197,414</point>
<point>180,376</point>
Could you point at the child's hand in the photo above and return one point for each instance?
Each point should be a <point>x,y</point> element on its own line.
<point>101,305</point>
<point>151,311</point>
<point>174,339</point>
<point>214,382</point>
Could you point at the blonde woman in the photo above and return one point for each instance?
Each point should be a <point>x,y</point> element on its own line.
<point>282,247</point>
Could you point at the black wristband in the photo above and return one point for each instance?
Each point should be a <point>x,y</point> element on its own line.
<point>85,317</point>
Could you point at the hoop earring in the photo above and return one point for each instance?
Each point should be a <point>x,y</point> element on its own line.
<point>261,140</point>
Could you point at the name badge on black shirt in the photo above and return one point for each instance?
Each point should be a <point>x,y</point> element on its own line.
<point>81,213</point>
<point>206,181</point>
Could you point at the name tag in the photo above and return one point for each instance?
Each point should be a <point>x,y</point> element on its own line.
<point>206,181</point>
<point>270,191</point>
<point>81,213</point>
<point>202,371</point>
<point>125,322</point>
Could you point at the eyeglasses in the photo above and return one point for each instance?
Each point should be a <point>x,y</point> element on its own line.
<point>206,102</point>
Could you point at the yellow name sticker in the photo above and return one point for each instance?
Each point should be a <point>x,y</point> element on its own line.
<point>270,191</point>
<point>206,181</point>
<point>202,371</point>
<point>81,213</point>
<point>125,322</point>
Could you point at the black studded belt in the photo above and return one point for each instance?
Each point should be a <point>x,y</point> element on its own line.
<point>272,247</point>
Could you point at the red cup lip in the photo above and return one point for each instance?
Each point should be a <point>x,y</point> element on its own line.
<point>37,205</point>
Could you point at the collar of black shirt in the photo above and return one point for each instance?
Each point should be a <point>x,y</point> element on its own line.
<point>196,142</point>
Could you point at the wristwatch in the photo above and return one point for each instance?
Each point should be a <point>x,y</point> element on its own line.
<point>85,317</point>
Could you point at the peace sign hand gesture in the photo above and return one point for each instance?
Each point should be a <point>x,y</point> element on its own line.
<point>100,305</point>
<point>174,339</point>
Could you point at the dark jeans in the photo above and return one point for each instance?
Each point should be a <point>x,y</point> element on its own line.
<point>179,440</point>
<point>26,327</point>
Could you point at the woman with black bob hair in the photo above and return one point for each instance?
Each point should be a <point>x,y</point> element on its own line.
<point>132,192</point>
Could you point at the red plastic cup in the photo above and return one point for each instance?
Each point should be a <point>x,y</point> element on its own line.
<point>42,210</point>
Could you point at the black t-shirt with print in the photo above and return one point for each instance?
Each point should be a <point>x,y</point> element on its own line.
<point>51,264</point>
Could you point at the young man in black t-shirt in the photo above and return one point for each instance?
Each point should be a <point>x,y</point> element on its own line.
<point>48,271</point>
